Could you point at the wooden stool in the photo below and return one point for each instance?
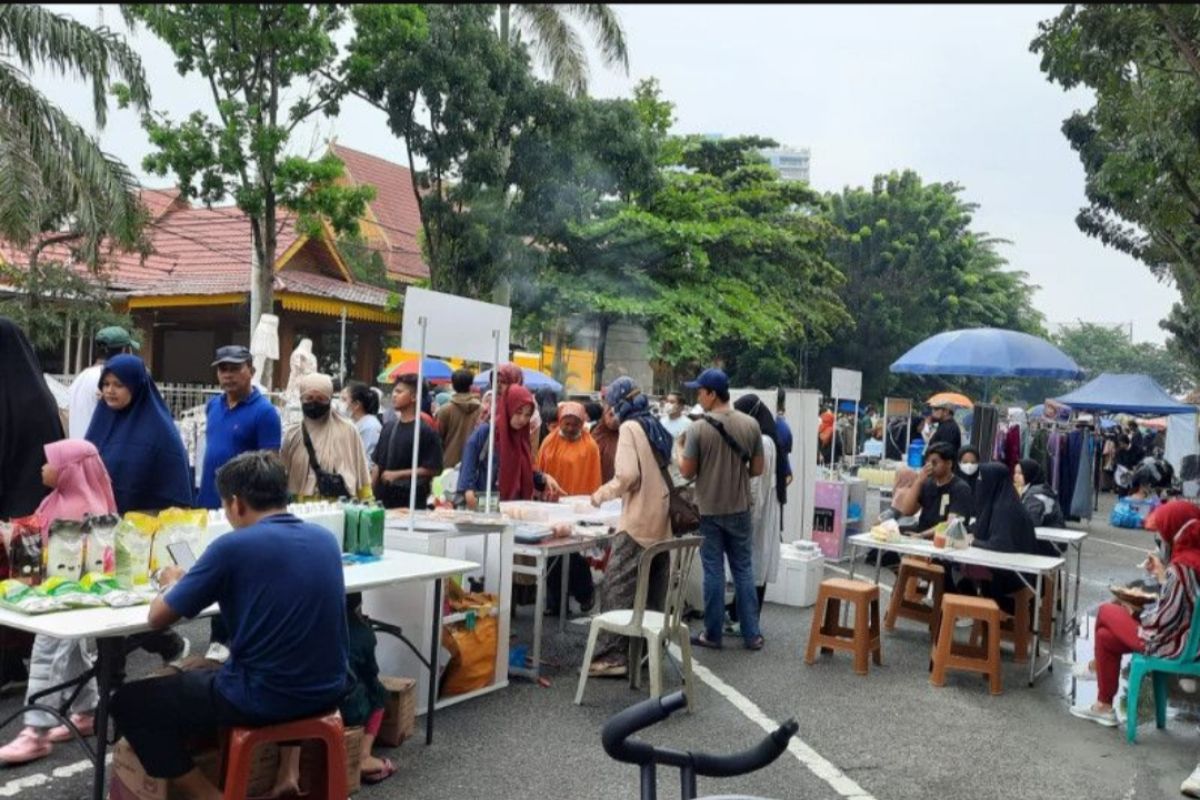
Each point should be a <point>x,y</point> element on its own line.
<point>1018,626</point>
<point>948,654</point>
<point>827,632</point>
<point>907,600</point>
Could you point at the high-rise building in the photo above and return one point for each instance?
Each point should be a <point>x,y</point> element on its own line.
<point>791,162</point>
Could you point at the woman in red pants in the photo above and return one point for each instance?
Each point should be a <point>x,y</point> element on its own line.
<point>1164,629</point>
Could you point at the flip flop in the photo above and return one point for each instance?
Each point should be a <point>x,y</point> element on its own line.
<point>380,775</point>
<point>756,643</point>
<point>608,671</point>
<point>699,640</point>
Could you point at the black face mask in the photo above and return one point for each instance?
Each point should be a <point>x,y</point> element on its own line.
<point>315,410</point>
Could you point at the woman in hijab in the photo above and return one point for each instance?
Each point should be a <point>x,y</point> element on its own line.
<point>605,434</point>
<point>642,445</point>
<point>1162,631</point>
<point>28,421</point>
<point>1002,525</point>
<point>80,486</point>
<point>138,440</point>
<point>334,440</point>
<point>1040,502</point>
<point>513,475</point>
<point>967,466</point>
<point>766,497</point>
<point>511,375</point>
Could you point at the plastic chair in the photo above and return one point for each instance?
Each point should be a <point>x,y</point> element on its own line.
<point>657,628</point>
<point>327,729</point>
<point>827,634</point>
<point>1159,668</point>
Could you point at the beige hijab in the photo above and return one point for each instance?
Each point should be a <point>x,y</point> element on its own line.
<point>337,445</point>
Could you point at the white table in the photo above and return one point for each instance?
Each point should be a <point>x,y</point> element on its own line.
<point>1074,540</point>
<point>543,553</point>
<point>111,626</point>
<point>1020,563</point>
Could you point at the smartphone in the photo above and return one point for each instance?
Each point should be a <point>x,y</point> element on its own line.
<point>181,554</point>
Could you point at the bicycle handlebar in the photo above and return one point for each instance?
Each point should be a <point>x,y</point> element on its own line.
<point>617,743</point>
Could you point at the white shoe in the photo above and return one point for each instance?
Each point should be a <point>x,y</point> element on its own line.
<point>1083,671</point>
<point>1191,784</point>
<point>1106,718</point>
<point>217,652</point>
<point>964,623</point>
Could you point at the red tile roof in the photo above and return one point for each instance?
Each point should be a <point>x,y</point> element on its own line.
<point>162,201</point>
<point>395,207</point>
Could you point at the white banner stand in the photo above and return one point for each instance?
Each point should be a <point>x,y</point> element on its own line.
<point>846,385</point>
<point>452,326</point>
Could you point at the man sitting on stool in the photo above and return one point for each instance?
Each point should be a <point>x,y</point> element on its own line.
<point>279,584</point>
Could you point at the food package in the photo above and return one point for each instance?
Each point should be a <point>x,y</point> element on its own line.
<point>370,530</point>
<point>176,525</point>
<point>69,593</point>
<point>132,546</point>
<point>353,515</point>
<point>18,596</point>
<point>64,551</point>
<point>100,551</point>
<point>956,535</point>
<point>888,531</point>
<point>25,550</point>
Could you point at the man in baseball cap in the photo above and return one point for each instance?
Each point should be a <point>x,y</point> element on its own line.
<point>233,354</point>
<point>84,394</point>
<point>714,380</point>
<point>946,429</point>
<point>116,337</point>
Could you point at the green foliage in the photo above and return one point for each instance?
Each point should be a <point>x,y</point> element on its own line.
<point>53,175</point>
<point>914,268</point>
<point>268,67</point>
<point>551,37</point>
<point>45,297</point>
<point>1099,348</point>
<point>1139,143</point>
<point>364,261</point>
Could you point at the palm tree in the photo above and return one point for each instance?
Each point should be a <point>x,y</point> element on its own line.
<point>54,176</point>
<point>553,38</point>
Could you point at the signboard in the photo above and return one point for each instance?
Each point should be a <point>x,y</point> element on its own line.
<point>847,384</point>
<point>897,407</point>
<point>455,327</point>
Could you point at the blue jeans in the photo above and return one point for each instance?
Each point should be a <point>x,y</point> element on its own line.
<point>728,536</point>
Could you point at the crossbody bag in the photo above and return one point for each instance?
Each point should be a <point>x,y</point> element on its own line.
<point>329,484</point>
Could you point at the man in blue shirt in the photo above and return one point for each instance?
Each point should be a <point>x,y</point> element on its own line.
<point>239,421</point>
<point>279,585</point>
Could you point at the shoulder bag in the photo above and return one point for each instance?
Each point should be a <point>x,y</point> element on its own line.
<point>329,484</point>
<point>682,513</point>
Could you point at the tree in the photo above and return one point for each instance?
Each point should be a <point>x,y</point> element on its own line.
<point>553,39</point>
<point>1101,348</point>
<point>914,267</point>
<point>250,57</point>
<point>62,293</point>
<point>1140,142</point>
<point>53,175</point>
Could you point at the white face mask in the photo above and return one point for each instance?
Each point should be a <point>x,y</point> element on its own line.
<point>968,469</point>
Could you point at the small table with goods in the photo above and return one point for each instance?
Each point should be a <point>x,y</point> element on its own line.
<point>1020,563</point>
<point>112,627</point>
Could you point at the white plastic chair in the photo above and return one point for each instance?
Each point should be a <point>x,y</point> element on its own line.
<point>656,628</point>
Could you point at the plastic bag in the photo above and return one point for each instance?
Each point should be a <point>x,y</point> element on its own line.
<point>132,549</point>
<point>887,531</point>
<point>370,530</point>
<point>1125,515</point>
<point>176,525</point>
<point>64,552</point>
<point>25,550</point>
<point>100,551</point>
<point>353,515</point>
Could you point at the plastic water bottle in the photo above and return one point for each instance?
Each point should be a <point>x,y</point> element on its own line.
<point>916,453</point>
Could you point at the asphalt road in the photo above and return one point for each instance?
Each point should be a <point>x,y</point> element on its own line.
<point>889,735</point>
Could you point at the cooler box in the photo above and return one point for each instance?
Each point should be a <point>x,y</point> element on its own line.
<point>801,567</point>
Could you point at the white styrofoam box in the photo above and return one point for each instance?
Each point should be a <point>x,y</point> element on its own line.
<point>800,569</point>
<point>327,515</point>
<point>534,511</point>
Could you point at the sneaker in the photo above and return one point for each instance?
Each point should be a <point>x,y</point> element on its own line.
<point>184,650</point>
<point>1083,671</point>
<point>217,652</point>
<point>1106,718</point>
<point>86,723</point>
<point>30,745</point>
<point>1191,784</point>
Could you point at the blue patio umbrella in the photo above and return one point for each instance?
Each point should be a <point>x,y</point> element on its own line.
<point>534,380</point>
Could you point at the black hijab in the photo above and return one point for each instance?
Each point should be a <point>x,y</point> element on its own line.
<point>970,479</point>
<point>750,404</point>
<point>1031,471</point>
<point>28,421</point>
<point>1001,523</point>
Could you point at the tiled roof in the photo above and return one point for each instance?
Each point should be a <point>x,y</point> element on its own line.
<point>395,207</point>
<point>316,285</point>
<point>162,201</point>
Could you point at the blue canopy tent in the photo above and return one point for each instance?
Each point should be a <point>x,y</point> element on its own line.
<point>987,353</point>
<point>1115,393</point>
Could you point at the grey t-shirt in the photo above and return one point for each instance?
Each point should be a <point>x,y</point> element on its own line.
<point>722,477</point>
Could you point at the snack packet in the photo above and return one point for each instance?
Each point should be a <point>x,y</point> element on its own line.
<point>69,593</point>
<point>100,548</point>
<point>64,552</point>
<point>132,550</point>
<point>353,520</point>
<point>25,550</point>
<point>109,592</point>
<point>177,525</point>
<point>370,530</point>
<point>19,597</point>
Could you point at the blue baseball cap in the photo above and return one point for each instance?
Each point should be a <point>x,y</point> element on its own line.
<point>712,379</point>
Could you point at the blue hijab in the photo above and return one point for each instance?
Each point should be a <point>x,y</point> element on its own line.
<point>140,444</point>
<point>628,402</point>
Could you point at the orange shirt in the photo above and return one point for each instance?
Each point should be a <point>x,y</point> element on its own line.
<point>575,465</point>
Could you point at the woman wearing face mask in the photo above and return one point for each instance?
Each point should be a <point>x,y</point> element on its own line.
<point>968,466</point>
<point>1162,631</point>
<point>331,438</point>
<point>362,406</point>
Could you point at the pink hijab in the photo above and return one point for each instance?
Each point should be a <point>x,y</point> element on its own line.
<point>83,483</point>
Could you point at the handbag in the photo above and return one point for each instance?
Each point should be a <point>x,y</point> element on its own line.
<point>682,513</point>
<point>329,484</point>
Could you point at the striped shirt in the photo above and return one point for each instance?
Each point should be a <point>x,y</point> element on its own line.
<point>1165,627</point>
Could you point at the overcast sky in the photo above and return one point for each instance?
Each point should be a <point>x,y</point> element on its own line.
<point>951,92</point>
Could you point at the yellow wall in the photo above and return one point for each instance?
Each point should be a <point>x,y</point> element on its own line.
<point>580,364</point>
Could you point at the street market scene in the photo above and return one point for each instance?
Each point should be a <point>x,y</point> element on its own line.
<point>599,401</point>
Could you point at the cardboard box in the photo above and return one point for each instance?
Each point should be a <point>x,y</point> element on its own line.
<point>399,714</point>
<point>129,781</point>
<point>312,757</point>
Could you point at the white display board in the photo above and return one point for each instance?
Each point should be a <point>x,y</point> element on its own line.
<point>455,327</point>
<point>846,384</point>
<point>1181,439</point>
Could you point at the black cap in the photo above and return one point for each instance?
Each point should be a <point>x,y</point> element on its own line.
<point>233,354</point>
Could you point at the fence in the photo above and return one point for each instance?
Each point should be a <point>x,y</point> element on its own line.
<point>181,397</point>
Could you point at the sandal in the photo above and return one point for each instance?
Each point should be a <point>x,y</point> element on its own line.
<point>700,640</point>
<point>380,775</point>
<point>756,643</point>
<point>607,669</point>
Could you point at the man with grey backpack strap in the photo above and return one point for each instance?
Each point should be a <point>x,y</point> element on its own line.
<point>723,451</point>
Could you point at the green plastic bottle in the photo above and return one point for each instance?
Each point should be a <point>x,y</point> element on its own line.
<point>373,517</point>
<point>353,514</point>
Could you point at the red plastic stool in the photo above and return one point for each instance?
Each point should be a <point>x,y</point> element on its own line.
<point>327,729</point>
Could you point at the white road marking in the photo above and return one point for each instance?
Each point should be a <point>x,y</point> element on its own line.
<point>1149,544</point>
<point>815,763</point>
<point>18,785</point>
